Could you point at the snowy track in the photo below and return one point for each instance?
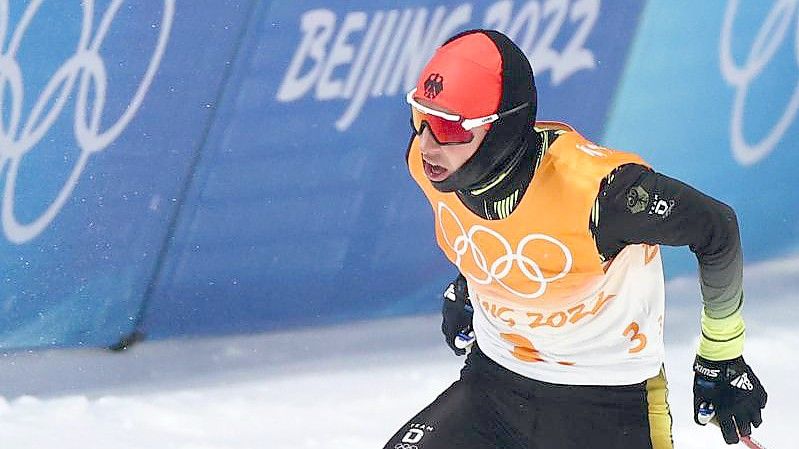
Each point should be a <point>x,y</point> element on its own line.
<point>347,387</point>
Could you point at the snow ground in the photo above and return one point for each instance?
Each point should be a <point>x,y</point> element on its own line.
<point>340,387</point>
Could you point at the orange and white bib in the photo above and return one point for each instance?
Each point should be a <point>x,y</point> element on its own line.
<point>546,307</point>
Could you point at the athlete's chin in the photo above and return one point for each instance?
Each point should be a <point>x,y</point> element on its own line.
<point>435,173</point>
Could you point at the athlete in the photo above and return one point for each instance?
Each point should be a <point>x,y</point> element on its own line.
<point>560,282</point>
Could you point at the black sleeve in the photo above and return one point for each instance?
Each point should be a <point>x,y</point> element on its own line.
<point>637,205</point>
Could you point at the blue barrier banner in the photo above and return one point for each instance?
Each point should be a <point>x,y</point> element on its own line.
<point>305,213</point>
<point>715,105</point>
<point>104,107</point>
<point>206,167</point>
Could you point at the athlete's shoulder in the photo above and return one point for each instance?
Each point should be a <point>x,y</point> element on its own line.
<point>550,131</point>
<point>555,126</point>
<point>562,140</point>
<point>563,136</point>
<point>569,152</point>
<point>573,137</point>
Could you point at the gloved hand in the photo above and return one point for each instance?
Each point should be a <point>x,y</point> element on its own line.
<point>729,391</point>
<point>456,312</point>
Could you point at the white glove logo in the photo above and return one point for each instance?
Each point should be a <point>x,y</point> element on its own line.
<point>742,382</point>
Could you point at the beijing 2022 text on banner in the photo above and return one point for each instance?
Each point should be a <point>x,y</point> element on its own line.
<point>305,211</point>
<point>207,167</point>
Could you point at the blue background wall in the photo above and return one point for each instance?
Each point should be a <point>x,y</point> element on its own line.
<point>260,182</point>
<point>729,71</point>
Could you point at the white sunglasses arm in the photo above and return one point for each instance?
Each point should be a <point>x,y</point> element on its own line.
<point>471,123</point>
<point>426,110</point>
<point>467,124</point>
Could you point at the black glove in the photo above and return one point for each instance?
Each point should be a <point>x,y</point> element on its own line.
<point>731,392</point>
<point>457,316</point>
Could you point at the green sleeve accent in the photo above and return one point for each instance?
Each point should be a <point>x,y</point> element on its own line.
<point>722,338</point>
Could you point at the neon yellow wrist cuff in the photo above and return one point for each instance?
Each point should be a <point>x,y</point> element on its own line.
<point>722,338</point>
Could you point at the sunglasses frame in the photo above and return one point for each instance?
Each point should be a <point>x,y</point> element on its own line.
<point>467,124</point>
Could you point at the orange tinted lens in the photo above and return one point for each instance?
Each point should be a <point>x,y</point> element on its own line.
<point>449,132</point>
<point>445,132</point>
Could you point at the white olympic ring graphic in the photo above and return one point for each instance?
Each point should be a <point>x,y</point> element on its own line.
<point>84,69</point>
<point>768,40</point>
<point>498,269</point>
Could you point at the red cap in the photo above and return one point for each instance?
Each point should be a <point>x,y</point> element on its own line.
<point>464,76</point>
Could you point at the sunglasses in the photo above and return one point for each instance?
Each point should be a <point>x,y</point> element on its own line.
<point>449,129</point>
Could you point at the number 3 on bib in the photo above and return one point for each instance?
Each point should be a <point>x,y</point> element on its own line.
<point>635,336</point>
<point>523,348</point>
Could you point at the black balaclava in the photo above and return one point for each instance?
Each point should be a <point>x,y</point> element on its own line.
<point>509,137</point>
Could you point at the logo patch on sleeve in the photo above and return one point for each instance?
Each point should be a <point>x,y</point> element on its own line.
<point>637,200</point>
